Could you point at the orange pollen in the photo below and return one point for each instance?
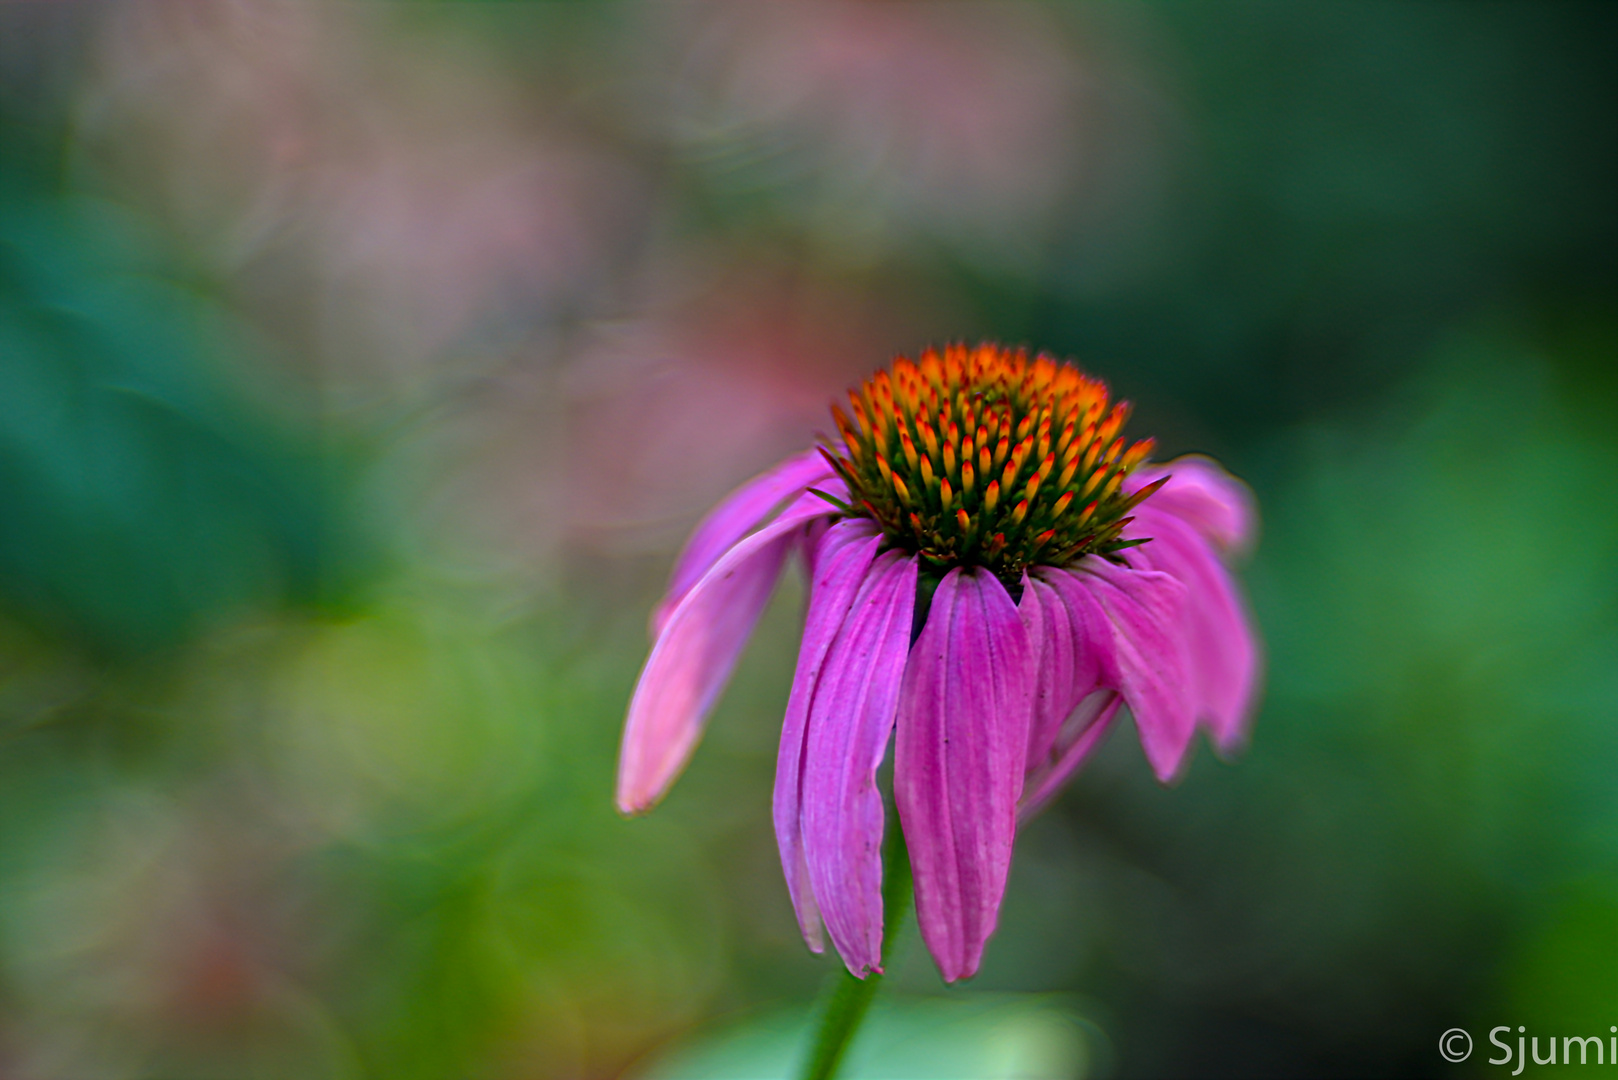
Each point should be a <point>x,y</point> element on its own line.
<point>921,438</point>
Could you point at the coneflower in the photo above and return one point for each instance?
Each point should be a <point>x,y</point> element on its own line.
<point>994,571</point>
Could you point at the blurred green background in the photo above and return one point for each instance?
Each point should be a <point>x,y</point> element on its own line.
<point>362,367</point>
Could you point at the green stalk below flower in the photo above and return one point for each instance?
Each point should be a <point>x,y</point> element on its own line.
<point>849,998</point>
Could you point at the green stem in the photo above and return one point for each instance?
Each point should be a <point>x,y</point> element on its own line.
<point>849,998</point>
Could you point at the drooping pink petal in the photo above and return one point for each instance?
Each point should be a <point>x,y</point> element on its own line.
<point>739,513</point>
<point>695,653</point>
<point>850,720</point>
<point>839,565</point>
<point>1202,494</point>
<point>1223,657</point>
<point>1074,743</point>
<point>1076,700</point>
<point>1142,610</point>
<point>959,758</point>
<point>1067,662</point>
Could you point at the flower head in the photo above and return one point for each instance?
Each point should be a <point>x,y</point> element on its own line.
<point>985,458</point>
<point>994,571</point>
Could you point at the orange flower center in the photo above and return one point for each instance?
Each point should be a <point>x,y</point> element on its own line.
<point>984,457</point>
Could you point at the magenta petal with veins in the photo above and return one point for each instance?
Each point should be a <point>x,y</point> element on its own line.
<point>850,720</point>
<point>842,557</point>
<point>694,654</point>
<point>959,759</point>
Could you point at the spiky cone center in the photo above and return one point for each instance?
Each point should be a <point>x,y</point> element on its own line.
<point>985,457</point>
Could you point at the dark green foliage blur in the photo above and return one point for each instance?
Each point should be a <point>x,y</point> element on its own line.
<point>362,368</point>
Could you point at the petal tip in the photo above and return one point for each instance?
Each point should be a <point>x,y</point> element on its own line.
<point>1233,742</point>
<point>635,801</point>
<point>1170,768</point>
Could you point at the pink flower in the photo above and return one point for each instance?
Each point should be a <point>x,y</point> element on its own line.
<point>1059,577</point>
